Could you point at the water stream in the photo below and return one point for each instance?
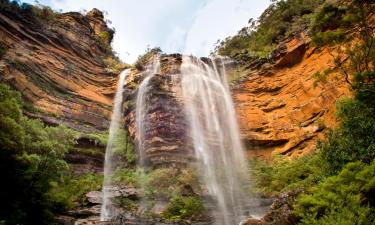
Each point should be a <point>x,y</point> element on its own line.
<point>107,210</point>
<point>141,120</point>
<point>215,136</point>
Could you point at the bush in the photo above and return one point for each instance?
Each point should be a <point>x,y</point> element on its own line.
<point>353,140</point>
<point>114,64</point>
<point>180,208</point>
<point>284,174</point>
<point>145,58</point>
<point>69,192</point>
<point>343,199</point>
<point>281,18</point>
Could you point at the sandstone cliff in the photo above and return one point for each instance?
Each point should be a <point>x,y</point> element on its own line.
<point>280,110</point>
<point>166,129</point>
<point>280,107</point>
<point>58,66</point>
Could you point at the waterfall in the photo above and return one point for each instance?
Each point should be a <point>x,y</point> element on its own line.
<point>141,120</point>
<point>215,136</point>
<point>107,211</point>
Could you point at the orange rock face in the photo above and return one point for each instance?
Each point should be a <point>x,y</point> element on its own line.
<point>58,67</point>
<point>280,110</point>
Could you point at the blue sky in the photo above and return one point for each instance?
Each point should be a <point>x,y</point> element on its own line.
<point>186,26</point>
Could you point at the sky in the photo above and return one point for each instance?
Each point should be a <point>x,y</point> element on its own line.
<point>184,26</point>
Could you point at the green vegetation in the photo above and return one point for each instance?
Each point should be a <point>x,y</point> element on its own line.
<point>70,191</point>
<point>145,58</point>
<point>105,36</point>
<point>287,174</point>
<point>181,208</point>
<point>353,140</point>
<point>346,198</point>
<point>123,147</point>
<point>260,38</point>
<point>31,158</point>
<point>114,64</point>
<point>98,138</point>
<point>38,182</point>
<point>39,12</point>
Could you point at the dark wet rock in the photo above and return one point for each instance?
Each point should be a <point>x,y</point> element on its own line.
<point>280,212</point>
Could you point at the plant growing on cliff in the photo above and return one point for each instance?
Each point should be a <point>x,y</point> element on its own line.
<point>260,37</point>
<point>181,207</point>
<point>145,58</point>
<point>69,192</point>
<point>343,199</point>
<point>346,28</point>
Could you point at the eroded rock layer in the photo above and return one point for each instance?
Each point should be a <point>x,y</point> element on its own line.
<point>281,109</point>
<point>58,67</point>
<point>165,138</point>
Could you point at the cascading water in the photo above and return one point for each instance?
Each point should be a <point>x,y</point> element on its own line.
<point>107,211</point>
<point>215,136</point>
<point>141,107</point>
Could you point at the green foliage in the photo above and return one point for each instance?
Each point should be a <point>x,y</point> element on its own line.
<point>280,19</point>
<point>342,199</point>
<point>31,158</point>
<point>353,140</point>
<point>126,176</point>
<point>284,174</point>
<point>145,58</point>
<point>123,147</point>
<point>99,138</point>
<point>346,28</point>
<point>105,36</point>
<point>114,64</point>
<point>364,84</point>
<point>70,191</point>
<point>181,207</point>
<point>41,12</point>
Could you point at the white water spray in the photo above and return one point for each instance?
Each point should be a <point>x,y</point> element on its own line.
<point>215,136</point>
<point>141,107</point>
<point>107,210</point>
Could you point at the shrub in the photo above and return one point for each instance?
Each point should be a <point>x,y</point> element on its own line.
<point>180,208</point>
<point>69,192</point>
<point>145,58</point>
<point>353,140</point>
<point>281,18</point>
<point>114,64</point>
<point>284,174</point>
<point>342,199</point>
<point>126,176</point>
<point>105,36</point>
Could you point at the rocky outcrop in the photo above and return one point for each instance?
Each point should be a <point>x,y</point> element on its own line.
<point>58,67</point>
<point>165,135</point>
<point>279,107</point>
<point>280,212</point>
